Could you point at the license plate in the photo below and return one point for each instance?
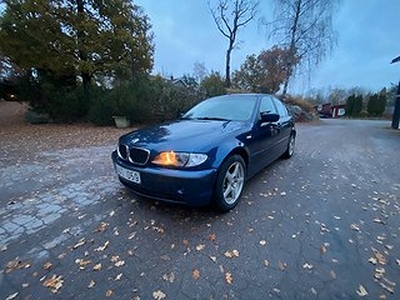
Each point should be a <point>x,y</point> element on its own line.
<point>130,175</point>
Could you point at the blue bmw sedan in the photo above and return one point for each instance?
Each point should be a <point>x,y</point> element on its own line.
<point>207,155</point>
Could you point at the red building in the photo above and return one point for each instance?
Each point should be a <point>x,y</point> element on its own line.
<point>338,110</point>
<point>327,110</point>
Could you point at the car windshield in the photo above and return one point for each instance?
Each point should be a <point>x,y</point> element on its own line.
<point>225,108</point>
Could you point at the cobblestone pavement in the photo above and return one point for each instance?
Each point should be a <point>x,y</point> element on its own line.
<point>322,225</point>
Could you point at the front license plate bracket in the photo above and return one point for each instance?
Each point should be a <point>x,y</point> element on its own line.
<point>132,176</point>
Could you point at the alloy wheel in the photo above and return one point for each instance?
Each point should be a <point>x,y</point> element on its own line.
<point>233,182</point>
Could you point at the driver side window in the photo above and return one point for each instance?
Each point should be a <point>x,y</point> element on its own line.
<point>267,106</point>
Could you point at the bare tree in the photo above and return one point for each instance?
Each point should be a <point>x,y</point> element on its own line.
<point>199,71</point>
<point>305,28</point>
<point>229,16</point>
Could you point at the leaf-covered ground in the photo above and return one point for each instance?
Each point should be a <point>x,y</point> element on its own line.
<point>323,225</point>
<point>20,141</point>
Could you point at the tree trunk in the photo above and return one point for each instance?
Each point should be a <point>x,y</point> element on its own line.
<point>285,86</point>
<point>86,77</point>
<point>292,48</point>
<point>396,113</point>
<point>228,68</point>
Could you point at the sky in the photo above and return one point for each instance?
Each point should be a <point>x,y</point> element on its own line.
<point>368,39</point>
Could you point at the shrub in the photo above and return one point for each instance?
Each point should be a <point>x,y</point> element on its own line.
<point>59,101</point>
<point>130,100</point>
<point>34,117</point>
<point>363,114</point>
<point>300,108</point>
<point>212,85</point>
<point>167,101</point>
<point>304,104</point>
<point>101,109</point>
<point>145,99</point>
<point>68,104</point>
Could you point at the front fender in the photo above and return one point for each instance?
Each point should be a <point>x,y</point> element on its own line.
<point>227,148</point>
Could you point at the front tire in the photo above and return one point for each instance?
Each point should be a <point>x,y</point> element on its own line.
<point>230,183</point>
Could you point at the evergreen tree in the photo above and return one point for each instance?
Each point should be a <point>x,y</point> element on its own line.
<point>377,104</point>
<point>350,105</point>
<point>358,105</point>
<point>382,101</point>
<point>372,106</point>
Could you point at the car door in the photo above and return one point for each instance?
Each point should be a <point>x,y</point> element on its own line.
<point>264,137</point>
<point>285,125</point>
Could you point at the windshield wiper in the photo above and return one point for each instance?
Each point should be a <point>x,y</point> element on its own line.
<point>212,118</point>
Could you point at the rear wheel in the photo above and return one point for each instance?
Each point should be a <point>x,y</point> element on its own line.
<point>229,184</point>
<point>290,147</point>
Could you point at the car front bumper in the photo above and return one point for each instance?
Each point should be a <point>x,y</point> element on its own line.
<point>194,188</point>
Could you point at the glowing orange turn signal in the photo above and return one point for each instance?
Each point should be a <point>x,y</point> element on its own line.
<point>166,159</point>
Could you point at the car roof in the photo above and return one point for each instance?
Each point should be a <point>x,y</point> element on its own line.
<point>242,95</point>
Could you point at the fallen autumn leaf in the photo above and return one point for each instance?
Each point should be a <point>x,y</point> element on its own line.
<point>228,277</point>
<point>231,254</point>
<point>54,283</point>
<point>212,237</point>
<point>170,277</point>
<point>379,256</point>
<point>91,284</point>
<point>47,266</point>
<point>12,296</point>
<point>81,242</point>
<point>159,295</point>
<point>102,248</point>
<point>362,292</point>
<point>102,227</point>
<point>355,227</point>
<point>308,266</point>
<point>119,263</point>
<point>282,266</point>
<point>17,264</point>
<point>195,274</point>
<point>200,247</point>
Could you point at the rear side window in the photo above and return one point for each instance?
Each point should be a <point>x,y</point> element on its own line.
<point>282,110</point>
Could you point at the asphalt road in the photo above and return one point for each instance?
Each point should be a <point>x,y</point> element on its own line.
<point>323,225</point>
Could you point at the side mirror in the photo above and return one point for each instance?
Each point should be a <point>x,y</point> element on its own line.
<point>268,118</point>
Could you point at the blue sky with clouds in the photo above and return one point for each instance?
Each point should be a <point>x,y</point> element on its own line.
<point>368,39</point>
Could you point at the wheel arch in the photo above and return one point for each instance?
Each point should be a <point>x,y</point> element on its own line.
<point>229,149</point>
<point>242,152</point>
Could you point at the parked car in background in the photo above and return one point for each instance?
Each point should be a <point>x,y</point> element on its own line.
<point>206,156</point>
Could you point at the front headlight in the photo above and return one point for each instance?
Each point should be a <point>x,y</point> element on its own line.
<point>179,159</point>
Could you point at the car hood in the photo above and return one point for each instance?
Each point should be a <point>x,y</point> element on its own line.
<point>183,135</point>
